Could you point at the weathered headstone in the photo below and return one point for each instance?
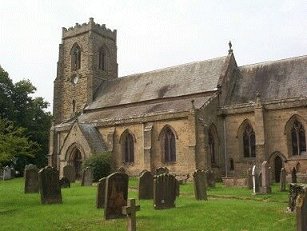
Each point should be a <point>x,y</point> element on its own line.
<point>7,175</point>
<point>249,178</point>
<point>70,173</point>
<point>49,188</point>
<point>294,191</point>
<point>87,177</point>
<point>31,179</point>
<point>164,191</point>
<point>293,175</point>
<point>301,211</point>
<point>64,182</point>
<point>255,180</point>
<point>116,195</point>
<point>200,185</point>
<point>146,185</point>
<point>101,189</point>
<point>265,182</point>
<point>130,210</point>
<point>210,178</point>
<point>283,182</point>
<point>162,170</point>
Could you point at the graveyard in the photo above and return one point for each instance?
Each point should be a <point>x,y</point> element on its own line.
<point>226,208</point>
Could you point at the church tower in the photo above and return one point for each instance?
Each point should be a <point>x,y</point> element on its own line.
<point>87,58</point>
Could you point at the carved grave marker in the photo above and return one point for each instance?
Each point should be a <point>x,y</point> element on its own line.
<point>87,177</point>
<point>70,173</point>
<point>31,179</point>
<point>200,185</point>
<point>164,191</point>
<point>146,186</point>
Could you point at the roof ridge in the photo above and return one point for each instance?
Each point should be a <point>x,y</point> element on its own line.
<point>274,61</point>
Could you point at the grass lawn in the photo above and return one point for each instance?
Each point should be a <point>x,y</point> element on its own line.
<point>227,209</point>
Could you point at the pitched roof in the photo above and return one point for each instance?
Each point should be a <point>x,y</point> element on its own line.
<point>276,80</point>
<point>174,81</point>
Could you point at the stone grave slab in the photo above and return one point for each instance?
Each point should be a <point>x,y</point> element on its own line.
<point>70,173</point>
<point>164,191</point>
<point>301,211</point>
<point>31,179</point>
<point>87,177</point>
<point>146,186</point>
<point>200,184</point>
<point>101,189</point>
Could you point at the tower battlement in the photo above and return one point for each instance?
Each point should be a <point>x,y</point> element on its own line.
<point>90,26</point>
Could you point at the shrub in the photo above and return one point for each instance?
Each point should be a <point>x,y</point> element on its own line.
<point>100,164</point>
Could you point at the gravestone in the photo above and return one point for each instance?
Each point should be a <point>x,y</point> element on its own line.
<point>13,172</point>
<point>293,176</point>
<point>49,187</point>
<point>255,180</point>
<point>164,191</point>
<point>265,182</point>
<point>283,182</point>
<point>101,189</point>
<point>294,191</point>
<point>31,179</point>
<point>249,178</point>
<point>210,178</point>
<point>162,170</point>
<point>121,170</point>
<point>116,195</point>
<point>146,186</point>
<point>200,185</point>
<point>130,210</point>
<point>64,182</point>
<point>87,177</point>
<point>7,174</point>
<point>70,173</point>
<point>301,211</point>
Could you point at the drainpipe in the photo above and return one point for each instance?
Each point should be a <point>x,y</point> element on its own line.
<point>225,147</point>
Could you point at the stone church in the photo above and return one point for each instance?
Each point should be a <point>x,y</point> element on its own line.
<point>211,114</point>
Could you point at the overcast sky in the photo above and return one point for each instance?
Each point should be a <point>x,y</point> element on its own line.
<point>151,33</point>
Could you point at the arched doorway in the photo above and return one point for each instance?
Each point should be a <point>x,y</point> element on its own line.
<point>277,167</point>
<point>76,161</point>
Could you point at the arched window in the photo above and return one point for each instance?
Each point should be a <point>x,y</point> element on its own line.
<point>129,148</point>
<point>298,139</point>
<point>75,58</point>
<point>249,142</point>
<point>169,146</point>
<point>102,59</point>
<point>211,147</point>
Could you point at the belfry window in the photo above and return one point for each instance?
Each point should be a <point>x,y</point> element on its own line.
<point>76,58</point>
<point>169,146</point>
<point>129,148</point>
<point>102,59</point>
<point>249,142</point>
<point>298,138</point>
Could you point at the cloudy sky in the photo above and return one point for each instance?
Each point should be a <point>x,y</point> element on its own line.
<point>151,33</point>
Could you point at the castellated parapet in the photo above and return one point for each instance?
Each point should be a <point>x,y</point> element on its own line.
<point>86,27</point>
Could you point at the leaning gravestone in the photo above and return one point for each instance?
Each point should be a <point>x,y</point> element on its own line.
<point>31,179</point>
<point>200,185</point>
<point>64,182</point>
<point>164,191</point>
<point>162,170</point>
<point>146,186</point>
<point>249,178</point>
<point>70,173</point>
<point>49,188</point>
<point>301,211</point>
<point>116,195</point>
<point>283,183</point>
<point>101,189</point>
<point>265,182</point>
<point>210,178</point>
<point>7,174</point>
<point>87,177</point>
<point>293,176</point>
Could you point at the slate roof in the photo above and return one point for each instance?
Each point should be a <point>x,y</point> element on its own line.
<point>93,138</point>
<point>143,110</point>
<point>174,81</point>
<point>276,80</point>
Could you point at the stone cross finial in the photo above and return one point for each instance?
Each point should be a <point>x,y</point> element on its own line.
<point>230,47</point>
<point>130,210</point>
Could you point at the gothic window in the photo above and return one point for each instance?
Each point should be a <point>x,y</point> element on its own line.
<point>102,59</point>
<point>169,146</point>
<point>298,139</point>
<point>76,58</point>
<point>211,147</point>
<point>129,148</point>
<point>249,142</point>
